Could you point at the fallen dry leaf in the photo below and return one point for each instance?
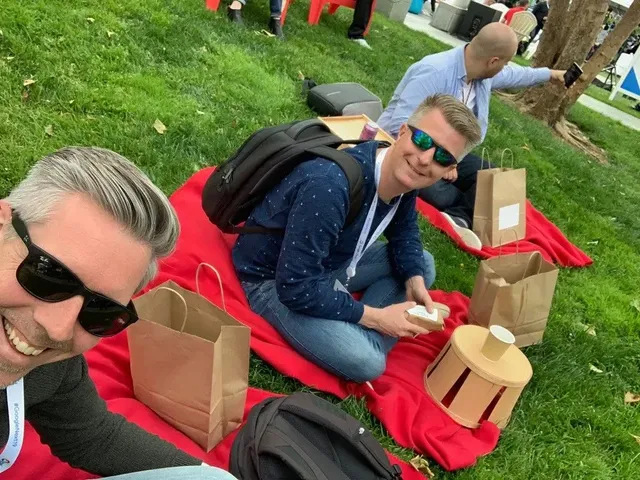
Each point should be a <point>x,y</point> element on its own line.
<point>49,130</point>
<point>1,33</point>
<point>421,465</point>
<point>636,437</point>
<point>91,20</point>
<point>589,329</point>
<point>199,112</point>
<point>636,304</point>
<point>595,242</point>
<point>9,58</point>
<point>28,81</point>
<point>593,368</point>
<point>110,34</point>
<point>300,75</point>
<point>71,102</point>
<point>159,126</point>
<point>526,147</point>
<point>631,398</point>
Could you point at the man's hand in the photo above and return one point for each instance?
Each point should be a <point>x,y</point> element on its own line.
<point>451,175</point>
<point>417,292</point>
<point>391,320</point>
<point>557,76</point>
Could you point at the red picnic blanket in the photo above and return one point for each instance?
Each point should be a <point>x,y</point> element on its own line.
<point>398,400</point>
<point>109,368</point>
<point>541,235</point>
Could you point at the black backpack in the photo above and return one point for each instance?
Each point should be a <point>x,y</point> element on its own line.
<point>305,437</point>
<point>266,157</point>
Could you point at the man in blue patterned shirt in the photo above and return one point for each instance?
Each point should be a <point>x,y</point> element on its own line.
<point>302,282</point>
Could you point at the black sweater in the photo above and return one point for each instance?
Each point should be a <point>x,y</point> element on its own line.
<point>63,406</point>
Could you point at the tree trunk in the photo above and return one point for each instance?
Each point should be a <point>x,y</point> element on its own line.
<point>545,102</point>
<point>553,35</point>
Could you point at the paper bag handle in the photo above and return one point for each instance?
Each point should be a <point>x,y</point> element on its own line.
<point>485,152</point>
<point>502,157</point>
<point>523,302</point>
<point>184,302</point>
<point>203,264</point>
<point>517,243</point>
<point>529,263</point>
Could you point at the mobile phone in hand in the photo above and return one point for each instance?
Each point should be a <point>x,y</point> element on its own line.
<point>572,74</point>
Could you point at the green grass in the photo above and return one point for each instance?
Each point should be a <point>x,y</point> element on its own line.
<point>620,102</point>
<point>171,59</point>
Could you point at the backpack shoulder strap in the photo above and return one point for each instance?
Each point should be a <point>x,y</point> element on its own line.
<point>353,172</point>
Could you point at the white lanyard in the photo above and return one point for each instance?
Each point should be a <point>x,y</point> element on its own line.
<point>15,405</point>
<point>360,248</point>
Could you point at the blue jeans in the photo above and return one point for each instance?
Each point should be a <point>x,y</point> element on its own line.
<point>348,350</point>
<point>274,5</point>
<point>178,473</point>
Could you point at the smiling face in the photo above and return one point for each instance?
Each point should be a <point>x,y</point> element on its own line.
<point>90,243</point>
<point>413,168</point>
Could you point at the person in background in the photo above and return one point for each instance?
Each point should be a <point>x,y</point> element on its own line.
<point>361,15</point>
<point>541,12</point>
<point>469,73</point>
<point>79,236</point>
<point>508,16</point>
<point>234,12</point>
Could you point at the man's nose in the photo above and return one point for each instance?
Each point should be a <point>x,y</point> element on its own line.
<point>59,319</point>
<point>426,157</point>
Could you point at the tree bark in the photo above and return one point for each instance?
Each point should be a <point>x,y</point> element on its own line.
<point>585,18</point>
<point>588,18</point>
<point>552,39</point>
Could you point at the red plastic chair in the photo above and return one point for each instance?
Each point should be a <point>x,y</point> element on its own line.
<point>317,6</point>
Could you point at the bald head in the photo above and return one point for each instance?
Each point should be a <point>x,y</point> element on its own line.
<point>494,40</point>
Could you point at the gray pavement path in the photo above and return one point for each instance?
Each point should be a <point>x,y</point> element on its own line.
<point>421,23</point>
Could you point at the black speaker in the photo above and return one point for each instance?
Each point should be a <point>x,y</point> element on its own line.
<point>477,16</point>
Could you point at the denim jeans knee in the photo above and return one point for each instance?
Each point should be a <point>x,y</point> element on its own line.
<point>430,271</point>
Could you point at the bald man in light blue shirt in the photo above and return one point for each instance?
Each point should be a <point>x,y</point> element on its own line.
<point>469,73</point>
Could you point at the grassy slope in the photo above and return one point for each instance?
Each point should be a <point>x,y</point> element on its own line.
<point>170,59</point>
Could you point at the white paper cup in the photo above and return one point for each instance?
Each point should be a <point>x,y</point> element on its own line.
<point>498,341</point>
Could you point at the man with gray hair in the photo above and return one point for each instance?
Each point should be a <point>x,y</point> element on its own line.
<point>79,236</point>
<point>301,282</point>
<point>469,73</point>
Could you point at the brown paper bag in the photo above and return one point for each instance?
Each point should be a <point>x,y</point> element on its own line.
<point>501,195</point>
<point>514,291</point>
<point>190,362</point>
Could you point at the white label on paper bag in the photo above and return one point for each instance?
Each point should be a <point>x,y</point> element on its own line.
<point>509,216</point>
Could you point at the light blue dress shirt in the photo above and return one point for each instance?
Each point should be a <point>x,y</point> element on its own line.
<point>445,73</point>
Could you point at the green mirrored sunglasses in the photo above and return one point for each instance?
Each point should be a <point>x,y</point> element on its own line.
<point>424,142</point>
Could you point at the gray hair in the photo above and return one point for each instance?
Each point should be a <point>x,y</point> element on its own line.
<point>456,113</point>
<point>113,183</point>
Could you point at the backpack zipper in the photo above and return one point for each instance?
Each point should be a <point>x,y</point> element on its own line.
<point>226,178</point>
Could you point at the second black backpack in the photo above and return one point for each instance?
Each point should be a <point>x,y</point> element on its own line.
<point>303,437</point>
<point>266,157</point>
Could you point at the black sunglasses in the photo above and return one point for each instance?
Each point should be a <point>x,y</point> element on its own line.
<point>49,280</point>
<point>424,142</point>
